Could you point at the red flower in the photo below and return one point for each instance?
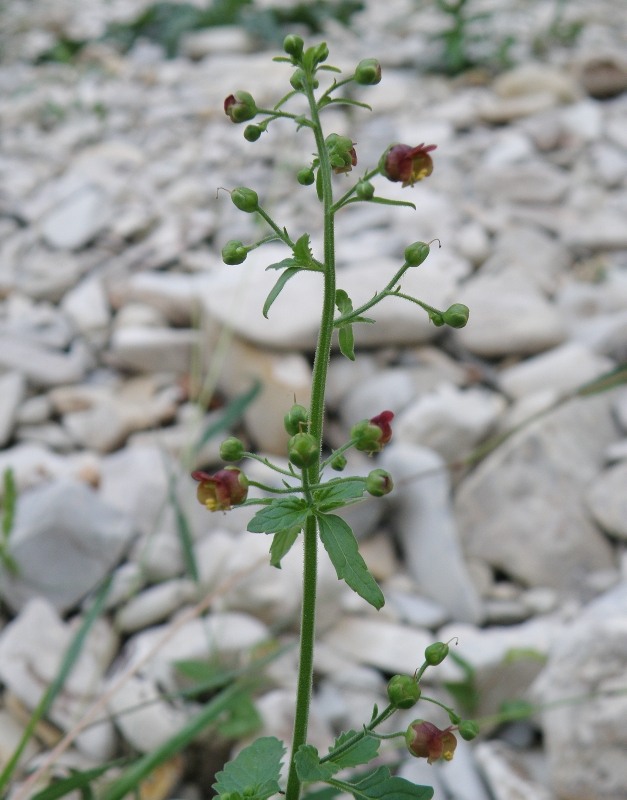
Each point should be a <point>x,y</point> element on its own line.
<point>425,740</point>
<point>407,164</point>
<point>382,421</point>
<point>219,492</point>
<point>370,435</point>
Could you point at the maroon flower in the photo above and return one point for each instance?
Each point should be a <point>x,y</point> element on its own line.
<point>240,107</point>
<point>219,492</point>
<point>425,740</point>
<point>407,164</point>
<point>370,435</point>
<point>382,421</point>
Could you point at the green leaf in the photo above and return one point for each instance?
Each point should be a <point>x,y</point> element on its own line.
<point>279,515</point>
<point>281,545</point>
<point>278,288</point>
<point>383,201</point>
<point>337,492</point>
<point>287,262</point>
<point>323,793</point>
<point>78,780</point>
<point>379,785</point>
<point>362,752</point>
<point>346,341</point>
<point>309,768</point>
<point>341,545</point>
<point>255,771</point>
<point>302,250</point>
<point>8,502</point>
<point>343,302</point>
<point>242,719</point>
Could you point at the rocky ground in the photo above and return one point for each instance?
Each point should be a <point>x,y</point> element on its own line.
<point>120,326</point>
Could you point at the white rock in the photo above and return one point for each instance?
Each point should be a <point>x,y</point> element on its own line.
<point>78,219</point>
<point>521,510</point>
<point>379,643</point>
<point>508,316</point>
<point>473,243</point>
<point>86,305</point>
<point>533,77</point>
<point>11,733</point>
<point>34,410</point>
<point>153,349</point>
<point>585,738</point>
<point>427,530</point>
<point>64,541</point>
<point>43,367</point>
<point>505,774</point>
<point>34,465</point>
<point>12,388</point>
<point>562,370</point>
<point>450,421</point>
<point>461,776</point>
<point>154,604</point>
<point>607,500</point>
<point>530,182</point>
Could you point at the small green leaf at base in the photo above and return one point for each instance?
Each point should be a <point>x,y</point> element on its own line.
<point>279,515</point>
<point>362,752</point>
<point>308,765</point>
<point>254,772</point>
<point>380,785</point>
<point>341,545</point>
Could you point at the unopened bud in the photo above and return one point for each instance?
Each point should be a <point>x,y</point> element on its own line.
<point>252,132</point>
<point>468,729</point>
<point>303,450</point>
<point>436,653</point>
<point>234,252</point>
<point>296,419</point>
<point>403,691</point>
<point>231,449</point>
<point>240,107</point>
<point>339,463</point>
<point>368,72</point>
<point>305,176</point>
<point>379,483</point>
<point>245,199</point>
<point>416,253</point>
<point>364,190</point>
<point>293,45</point>
<point>456,315</point>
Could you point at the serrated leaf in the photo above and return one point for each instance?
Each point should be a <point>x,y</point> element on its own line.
<point>242,719</point>
<point>309,768</point>
<point>341,545</point>
<point>281,545</point>
<point>380,785</point>
<point>336,492</point>
<point>278,288</point>
<point>255,771</point>
<point>346,341</point>
<point>343,302</point>
<point>362,752</point>
<point>302,250</point>
<point>279,515</point>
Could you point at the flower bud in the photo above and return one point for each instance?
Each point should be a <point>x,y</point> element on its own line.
<point>403,691</point>
<point>231,449</point>
<point>425,740</point>
<point>379,483</point>
<point>252,132</point>
<point>298,80</point>
<point>371,435</point>
<point>240,107</point>
<point>436,653</point>
<point>305,176</point>
<point>416,253</point>
<point>245,199</point>
<point>296,419</point>
<point>456,315</point>
<point>234,252</point>
<point>321,53</point>
<point>342,154</point>
<point>302,450</point>
<point>293,45</point>
<point>219,492</point>
<point>339,462</point>
<point>468,729</point>
<point>368,72</point>
<point>364,190</point>
<point>400,162</point>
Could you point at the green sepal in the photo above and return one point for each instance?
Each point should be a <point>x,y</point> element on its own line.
<point>278,288</point>
<point>337,492</point>
<point>340,543</point>
<point>281,545</point>
<point>309,768</point>
<point>279,515</point>
<point>380,785</point>
<point>254,772</point>
<point>362,752</point>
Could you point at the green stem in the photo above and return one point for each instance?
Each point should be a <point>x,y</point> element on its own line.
<point>316,426</point>
<point>386,292</point>
<point>349,743</point>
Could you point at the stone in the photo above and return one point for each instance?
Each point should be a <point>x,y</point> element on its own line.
<point>64,541</point>
<point>603,77</point>
<point>595,230</point>
<point>86,305</point>
<point>153,349</point>
<point>506,507</point>
<point>584,718</point>
<point>508,316</point>
<point>12,388</point>
<point>43,367</point>
<point>537,77</point>
<point>563,369</point>
<point>504,771</point>
<point>450,421</point>
<point>174,295</point>
<point>78,219</point>
<point>11,733</point>
<point>154,604</point>
<point>427,530</point>
<point>34,464</point>
<point>461,777</point>
<point>607,500</point>
<point>536,182</point>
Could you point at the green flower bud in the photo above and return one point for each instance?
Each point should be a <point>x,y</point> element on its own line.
<point>293,45</point>
<point>240,107</point>
<point>368,72</point>
<point>298,80</point>
<point>341,153</point>
<point>456,315</point>
<point>416,253</point>
<point>379,483</point>
<point>321,52</point>
<point>468,729</point>
<point>245,199</point>
<point>436,653</point>
<point>302,450</point>
<point>339,463</point>
<point>305,176</point>
<point>296,419</point>
<point>234,252</point>
<point>364,190</point>
<point>403,691</point>
<point>231,449</point>
<point>252,132</point>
